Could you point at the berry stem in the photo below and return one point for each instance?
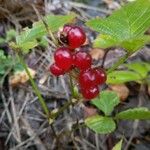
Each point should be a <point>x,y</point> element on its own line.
<point>71,86</point>
<point>34,86</point>
<point>63,108</point>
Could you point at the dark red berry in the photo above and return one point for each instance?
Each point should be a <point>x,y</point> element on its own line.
<point>76,37</point>
<point>90,92</point>
<point>82,60</point>
<point>73,36</point>
<point>87,78</point>
<point>63,58</point>
<point>100,76</point>
<point>55,70</point>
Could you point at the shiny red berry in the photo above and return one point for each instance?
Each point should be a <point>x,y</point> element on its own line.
<point>90,92</point>
<point>87,78</point>
<point>55,70</point>
<point>63,58</point>
<point>100,76</point>
<point>76,37</point>
<point>73,36</point>
<point>82,60</point>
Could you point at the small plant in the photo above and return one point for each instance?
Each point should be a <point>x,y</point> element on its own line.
<point>125,28</point>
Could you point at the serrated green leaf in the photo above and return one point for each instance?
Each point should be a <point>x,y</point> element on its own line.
<point>134,113</point>
<point>140,68</point>
<point>106,41</point>
<point>29,35</point>
<point>118,77</point>
<point>118,145</point>
<point>100,124</point>
<point>106,101</point>
<point>125,27</point>
<point>27,45</point>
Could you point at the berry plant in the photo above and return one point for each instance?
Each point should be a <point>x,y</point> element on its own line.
<point>125,28</point>
<point>68,59</point>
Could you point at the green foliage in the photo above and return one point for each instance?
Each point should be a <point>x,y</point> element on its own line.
<point>28,38</point>
<point>106,102</point>
<point>134,113</point>
<point>118,77</point>
<point>137,72</point>
<point>125,27</point>
<point>118,145</point>
<point>100,124</point>
<point>5,62</point>
<point>141,68</point>
<point>10,34</point>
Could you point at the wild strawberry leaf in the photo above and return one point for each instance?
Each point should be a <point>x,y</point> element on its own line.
<point>100,124</point>
<point>134,113</point>
<point>106,101</point>
<point>125,27</point>
<point>118,77</point>
<point>28,38</point>
<point>141,68</point>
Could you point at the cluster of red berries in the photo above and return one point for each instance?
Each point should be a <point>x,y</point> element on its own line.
<point>66,59</point>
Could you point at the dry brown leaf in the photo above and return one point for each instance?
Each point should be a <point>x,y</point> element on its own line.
<point>21,77</point>
<point>97,53</point>
<point>121,90</point>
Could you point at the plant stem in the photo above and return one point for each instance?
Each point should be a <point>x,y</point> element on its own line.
<point>118,63</point>
<point>64,107</point>
<point>71,86</point>
<point>35,88</point>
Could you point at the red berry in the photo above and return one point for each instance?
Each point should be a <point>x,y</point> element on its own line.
<point>76,37</point>
<point>90,93</point>
<point>87,78</point>
<point>73,36</point>
<point>63,58</point>
<point>100,76</point>
<point>82,60</point>
<point>55,70</point>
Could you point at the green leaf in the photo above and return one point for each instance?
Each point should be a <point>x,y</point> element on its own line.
<point>100,124</point>
<point>27,38</point>
<point>106,102</point>
<point>118,145</point>
<point>43,42</point>
<point>134,113</point>
<point>118,77</point>
<point>125,27</point>
<point>105,41</point>
<point>141,68</point>
<point>10,34</point>
<point>133,44</point>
